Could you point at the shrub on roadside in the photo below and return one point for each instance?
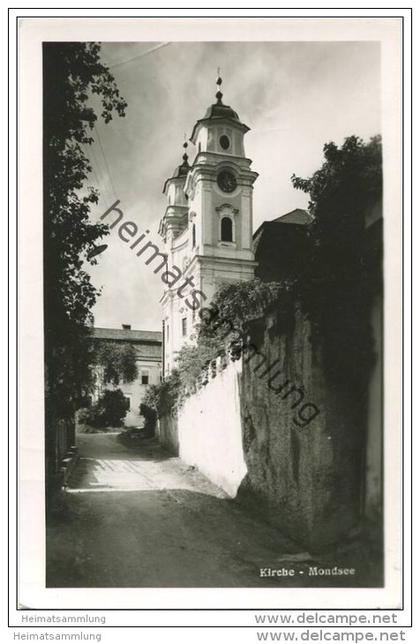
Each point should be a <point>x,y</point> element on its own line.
<point>150,416</point>
<point>109,411</point>
<point>163,397</point>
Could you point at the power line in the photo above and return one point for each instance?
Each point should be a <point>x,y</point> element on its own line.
<point>93,163</point>
<point>124,62</point>
<point>103,184</point>
<point>100,173</point>
<point>144,53</point>
<point>108,171</point>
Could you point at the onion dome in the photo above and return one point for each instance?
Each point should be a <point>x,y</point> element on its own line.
<point>218,111</point>
<point>183,169</point>
<point>180,170</point>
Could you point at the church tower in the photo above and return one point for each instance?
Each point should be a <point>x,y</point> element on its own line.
<point>207,226</point>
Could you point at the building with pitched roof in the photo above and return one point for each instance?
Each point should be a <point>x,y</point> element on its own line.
<point>148,348</point>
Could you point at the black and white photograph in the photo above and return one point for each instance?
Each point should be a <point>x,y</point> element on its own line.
<point>213,324</point>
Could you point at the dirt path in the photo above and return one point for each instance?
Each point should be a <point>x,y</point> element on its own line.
<point>142,518</point>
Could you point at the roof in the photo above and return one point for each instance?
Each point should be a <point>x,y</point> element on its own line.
<point>130,335</point>
<point>296,216</point>
<point>148,351</point>
<point>294,219</point>
<point>180,171</point>
<point>219,110</point>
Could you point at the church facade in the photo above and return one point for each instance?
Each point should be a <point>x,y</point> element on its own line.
<point>207,225</point>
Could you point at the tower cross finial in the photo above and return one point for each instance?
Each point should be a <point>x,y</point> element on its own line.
<point>219,81</point>
<point>185,146</point>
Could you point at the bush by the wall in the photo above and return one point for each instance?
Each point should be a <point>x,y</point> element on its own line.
<point>163,397</point>
<point>150,416</point>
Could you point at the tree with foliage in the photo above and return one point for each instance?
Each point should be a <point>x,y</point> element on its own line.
<point>236,303</point>
<point>119,362</point>
<point>221,330</point>
<point>337,282</point>
<point>109,411</point>
<point>341,193</point>
<point>72,74</point>
<point>223,324</point>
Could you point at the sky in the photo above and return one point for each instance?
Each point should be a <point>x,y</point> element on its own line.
<point>295,97</point>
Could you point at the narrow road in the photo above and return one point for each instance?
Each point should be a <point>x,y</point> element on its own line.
<point>142,518</point>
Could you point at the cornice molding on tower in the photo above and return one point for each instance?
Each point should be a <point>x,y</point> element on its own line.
<point>170,180</point>
<point>175,218</point>
<point>214,158</point>
<point>215,121</point>
<point>207,172</point>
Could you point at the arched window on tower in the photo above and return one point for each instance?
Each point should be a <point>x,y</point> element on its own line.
<point>193,235</point>
<point>226,229</point>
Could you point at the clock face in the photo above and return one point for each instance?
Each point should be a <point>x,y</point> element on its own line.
<point>226,181</point>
